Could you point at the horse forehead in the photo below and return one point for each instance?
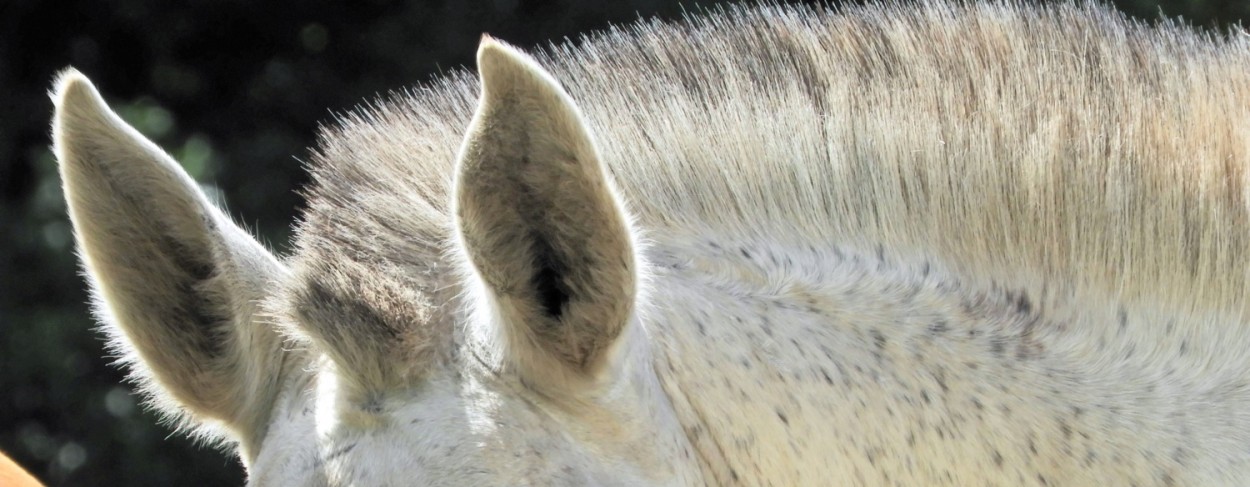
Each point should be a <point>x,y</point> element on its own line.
<point>451,431</point>
<point>425,445</point>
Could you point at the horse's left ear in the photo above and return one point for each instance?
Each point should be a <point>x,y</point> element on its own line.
<point>541,223</point>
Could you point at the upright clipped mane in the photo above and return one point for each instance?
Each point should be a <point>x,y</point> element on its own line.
<point>1000,141</point>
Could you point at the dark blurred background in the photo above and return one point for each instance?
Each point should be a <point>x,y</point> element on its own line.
<point>234,89</point>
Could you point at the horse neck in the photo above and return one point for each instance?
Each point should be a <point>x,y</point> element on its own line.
<point>775,350</point>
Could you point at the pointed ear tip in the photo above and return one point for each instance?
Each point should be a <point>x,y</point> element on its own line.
<point>491,53</point>
<point>501,66</point>
<point>70,83</point>
<point>73,89</point>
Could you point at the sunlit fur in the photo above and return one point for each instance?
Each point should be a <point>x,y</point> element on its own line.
<point>175,282</point>
<point>919,245</point>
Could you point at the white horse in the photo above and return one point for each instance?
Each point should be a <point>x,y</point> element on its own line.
<point>933,245</point>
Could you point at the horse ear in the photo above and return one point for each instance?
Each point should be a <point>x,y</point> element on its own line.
<point>541,223</point>
<point>175,282</point>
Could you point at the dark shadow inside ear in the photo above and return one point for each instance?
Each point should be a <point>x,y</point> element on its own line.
<point>549,279</point>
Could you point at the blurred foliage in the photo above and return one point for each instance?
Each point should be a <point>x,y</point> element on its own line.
<point>233,89</point>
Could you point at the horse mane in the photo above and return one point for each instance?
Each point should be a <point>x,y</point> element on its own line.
<point>1021,144</point>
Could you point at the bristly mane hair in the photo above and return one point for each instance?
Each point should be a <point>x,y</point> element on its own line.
<point>1026,145</point>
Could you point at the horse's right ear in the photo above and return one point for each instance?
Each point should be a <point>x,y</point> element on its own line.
<point>176,284</point>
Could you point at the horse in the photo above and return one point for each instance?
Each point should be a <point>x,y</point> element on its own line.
<point>952,243</point>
